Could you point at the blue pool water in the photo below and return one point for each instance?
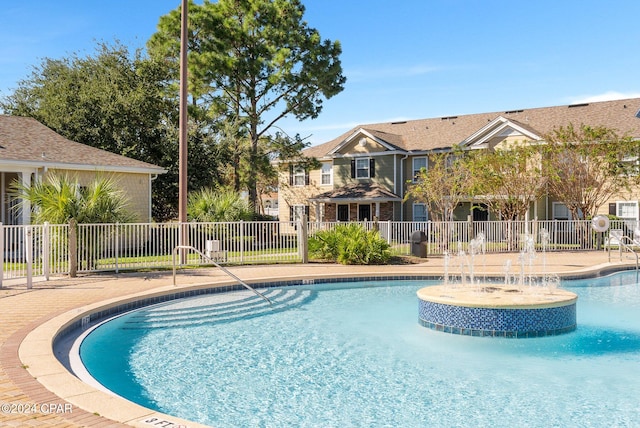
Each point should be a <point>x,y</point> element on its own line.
<point>353,354</point>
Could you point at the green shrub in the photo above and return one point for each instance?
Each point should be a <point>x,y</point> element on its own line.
<point>350,244</point>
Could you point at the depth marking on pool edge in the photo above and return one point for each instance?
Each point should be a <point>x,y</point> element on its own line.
<point>157,422</point>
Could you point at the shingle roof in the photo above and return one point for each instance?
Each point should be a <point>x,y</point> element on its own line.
<point>444,132</point>
<point>24,139</point>
<point>360,191</point>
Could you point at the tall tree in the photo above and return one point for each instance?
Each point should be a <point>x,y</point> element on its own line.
<point>254,62</point>
<point>587,165</point>
<point>507,179</point>
<point>442,185</point>
<point>121,102</point>
<point>113,100</point>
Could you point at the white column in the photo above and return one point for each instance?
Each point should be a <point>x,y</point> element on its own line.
<point>26,208</point>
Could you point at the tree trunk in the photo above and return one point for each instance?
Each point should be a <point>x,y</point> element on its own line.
<point>73,248</point>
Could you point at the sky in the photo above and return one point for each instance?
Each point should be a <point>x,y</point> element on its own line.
<point>403,59</point>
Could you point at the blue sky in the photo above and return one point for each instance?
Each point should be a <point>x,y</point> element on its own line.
<point>406,59</point>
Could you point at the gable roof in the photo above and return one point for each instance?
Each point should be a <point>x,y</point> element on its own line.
<point>384,139</point>
<point>497,127</point>
<point>25,141</point>
<point>444,132</point>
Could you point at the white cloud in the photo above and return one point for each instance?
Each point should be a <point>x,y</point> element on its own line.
<point>607,96</point>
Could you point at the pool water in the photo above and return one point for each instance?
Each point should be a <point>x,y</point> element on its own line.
<point>353,354</point>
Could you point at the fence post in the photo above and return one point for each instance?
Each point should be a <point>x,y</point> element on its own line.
<point>241,241</point>
<point>303,243</point>
<point>46,244</point>
<point>73,248</point>
<point>1,253</point>
<point>28,254</point>
<point>117,246</point>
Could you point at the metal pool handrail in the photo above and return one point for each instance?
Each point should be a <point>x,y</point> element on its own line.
<point>621,244</point>
<point>223,269</point>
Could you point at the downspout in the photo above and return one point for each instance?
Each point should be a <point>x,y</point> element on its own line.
<point>402,186</point>
<point>151,178</point>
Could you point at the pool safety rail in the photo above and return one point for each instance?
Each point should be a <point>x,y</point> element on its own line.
<point>625,244</point>
<point>213,262</point>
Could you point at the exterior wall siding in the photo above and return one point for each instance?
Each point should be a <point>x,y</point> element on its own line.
<point>134,186</point>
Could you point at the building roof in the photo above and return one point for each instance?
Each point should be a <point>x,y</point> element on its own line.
<point>444,132</point>
<point>25,141</point>
<point>361,192</point>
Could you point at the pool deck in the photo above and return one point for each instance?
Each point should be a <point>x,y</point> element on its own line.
<point>26,402</point>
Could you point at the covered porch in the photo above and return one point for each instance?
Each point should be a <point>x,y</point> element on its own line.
<point>357,202</point>
<point>11,213</point>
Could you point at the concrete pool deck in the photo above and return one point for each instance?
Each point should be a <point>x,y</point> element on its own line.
<point>30,318</point>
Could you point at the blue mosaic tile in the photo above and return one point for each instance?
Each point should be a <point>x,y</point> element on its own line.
<point>511,323</point>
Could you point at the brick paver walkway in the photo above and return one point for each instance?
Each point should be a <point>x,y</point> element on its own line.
<point>25,402</point>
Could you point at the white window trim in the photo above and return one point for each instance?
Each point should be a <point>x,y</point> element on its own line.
<point>366,168</point>
<point>298,212</point>
<point>554,210</point>
<point>324,174</point>
<point>416,171</point>
<point>426,211</point>
<point>298,172</point>
<point>560,204</point>
<point>618,209</point>
<point>634,162</point>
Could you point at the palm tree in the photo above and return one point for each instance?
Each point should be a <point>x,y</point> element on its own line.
<point>61,200</point>
<point>218,205</point>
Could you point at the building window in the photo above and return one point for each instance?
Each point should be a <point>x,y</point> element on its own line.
<point>299,176</point>
<point>561,212</point>
<point>327,173</point>
<point>627,210</point>
<point>418,164</point>
<point>632,165</point>
<point>420,212</point>
<point>342,212</point>
<point>297,211</point>
<point>362,168</point>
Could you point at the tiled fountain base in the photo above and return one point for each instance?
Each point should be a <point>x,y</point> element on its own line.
<point>498,311</point>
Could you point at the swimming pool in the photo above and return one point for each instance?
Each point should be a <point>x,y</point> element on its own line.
<point>353,354</point>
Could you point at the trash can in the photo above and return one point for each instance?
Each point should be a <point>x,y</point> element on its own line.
<point>418,244</point>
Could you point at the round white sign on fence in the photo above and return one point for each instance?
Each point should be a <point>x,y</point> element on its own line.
<point>600,223</point>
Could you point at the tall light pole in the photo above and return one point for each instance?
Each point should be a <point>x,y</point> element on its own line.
<point>182,167</point>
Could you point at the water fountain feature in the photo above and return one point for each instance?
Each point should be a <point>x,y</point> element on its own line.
<point>533,307</point>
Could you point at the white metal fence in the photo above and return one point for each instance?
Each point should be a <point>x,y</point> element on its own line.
<point>46,250</point>
<point>499,236</point>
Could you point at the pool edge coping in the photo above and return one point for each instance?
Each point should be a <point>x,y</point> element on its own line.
<point>36,353</point>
